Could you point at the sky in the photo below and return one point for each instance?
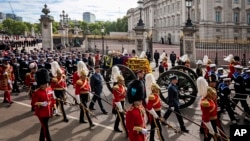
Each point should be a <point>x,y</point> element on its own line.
<point>105,10</point>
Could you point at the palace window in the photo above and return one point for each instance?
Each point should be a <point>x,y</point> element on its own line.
<point>218,16</point>
<point>248,1</point>
<point>236,1</point>
<point>236,17</point>
<point>248,18</point>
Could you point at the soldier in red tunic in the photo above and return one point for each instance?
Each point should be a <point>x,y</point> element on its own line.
<point>30,81</point>
<point>165,63</point>
<point>82,95</point>
<point>80,67</point>
<point>6,80</point>
<point>119,93</point>
<point>154,108</point>
<point>208,108</point>
<point>44,102</point>
<point>58,84</point>
<point>136,115</point>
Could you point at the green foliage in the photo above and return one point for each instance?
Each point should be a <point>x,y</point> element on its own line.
<point>13,27</point>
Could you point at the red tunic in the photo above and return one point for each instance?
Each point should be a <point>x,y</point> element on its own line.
<point>207,71</point>
<point>58,83</point>
<point>165,65</point>
<point>231,70</point>
<point>42,95</point>
<point>82,86</point>
<point>4,84</point>
<point>209,110</point>
<point>29,79</point>
<point>154,102</point>
<point>135,117</point>
<point>119,93</point>
<point>75,78</point>
<point>97,59</point>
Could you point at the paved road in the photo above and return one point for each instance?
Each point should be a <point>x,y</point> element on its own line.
<point>17,122</point>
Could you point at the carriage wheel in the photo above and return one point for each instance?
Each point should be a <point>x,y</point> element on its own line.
<point>127,73</point>
<point>186,86</point>
<point>187,70</point>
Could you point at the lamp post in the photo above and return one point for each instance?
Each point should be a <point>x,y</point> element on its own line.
<point>64,22</point>
<point>181,44</point>
<point>140,6</point>
<point>216,53</point>
<point>102,30</point>
<point>189,5</point>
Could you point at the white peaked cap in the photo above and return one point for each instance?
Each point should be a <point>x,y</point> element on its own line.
<point>199,62</point>
<point>143,54</point>
<point>212,65</point>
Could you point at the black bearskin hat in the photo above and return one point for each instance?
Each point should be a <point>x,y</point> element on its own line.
<point>212,78</point>
<point>42,77</point>
<point>236,58</point>
<point>135,91</point>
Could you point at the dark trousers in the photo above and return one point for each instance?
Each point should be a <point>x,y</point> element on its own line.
<point>155,123</point>
<point>60,95</point>
<point>173,63</point>
<point>156,62</point>
<point>44,132</point>
<point>177,113</point>
<point>225,103</point>
<point>243,102</point>
<point>96,97</point>
<point>84,99</point>
<point>15,87</point>
<point>207,135</point>
<point>120,117</point>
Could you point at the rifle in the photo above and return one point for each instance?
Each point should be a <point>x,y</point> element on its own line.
<point>239,108</point>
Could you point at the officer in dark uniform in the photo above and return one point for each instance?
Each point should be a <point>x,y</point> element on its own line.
<point>224,94</point>
<point>247,81</point>
<point>96,87</point>
<point>16,67</point>
<point>198,68</point>
<point>173,58</point>
<point>74,63</point>
<point>239,87</point>
<point>69,65</point>
<point>24,67</point>
<point>173,102</point>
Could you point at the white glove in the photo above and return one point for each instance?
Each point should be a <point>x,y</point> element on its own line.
<point>34,83</point>
<point>44,104</point>
<point>9,81</point>
<point>153,113</point>
<point>209,127</point>
<point>78,98</point>
<point>119,106</point>
<point>144,131</point>
<point>5,73</point>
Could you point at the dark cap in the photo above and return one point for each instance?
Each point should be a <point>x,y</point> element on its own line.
<point>173,77</point>
<point>212,78</point>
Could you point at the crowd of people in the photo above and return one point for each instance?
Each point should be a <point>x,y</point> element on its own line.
<point>46,73</point>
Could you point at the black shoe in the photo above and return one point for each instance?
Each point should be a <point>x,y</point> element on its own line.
<point>65,120</point>
<point>92,108</point>
<point>104,112</point>
<point>117,130</point>
<point>91,125</point>
<point>183,129</point>
<point>83,121</point>
<point>5,101</point>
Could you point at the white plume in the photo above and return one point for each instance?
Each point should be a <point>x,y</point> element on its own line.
<point>205,59</point>
<point>55,67</point>
<point>82,66</point>
<point>229,58</point>
<point>125,52</point>
<point>184,58</point>
<point>149,80</point>
<point>202,86</point>
<point>143,54</point>
<point>162,56</point>
<point>115,72</point>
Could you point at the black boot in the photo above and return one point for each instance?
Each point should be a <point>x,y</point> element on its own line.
<point>184,129</point>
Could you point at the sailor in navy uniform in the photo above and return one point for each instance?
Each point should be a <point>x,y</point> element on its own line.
<point>239,87</point>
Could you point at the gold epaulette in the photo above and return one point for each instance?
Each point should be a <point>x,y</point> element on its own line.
<point>151,97</point>
<point>54,80</point>
<point>79,82</point>
<point>205,103</point>
<point>116,87</point>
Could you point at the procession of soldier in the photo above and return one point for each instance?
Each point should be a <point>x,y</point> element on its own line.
<point>46,74</point>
